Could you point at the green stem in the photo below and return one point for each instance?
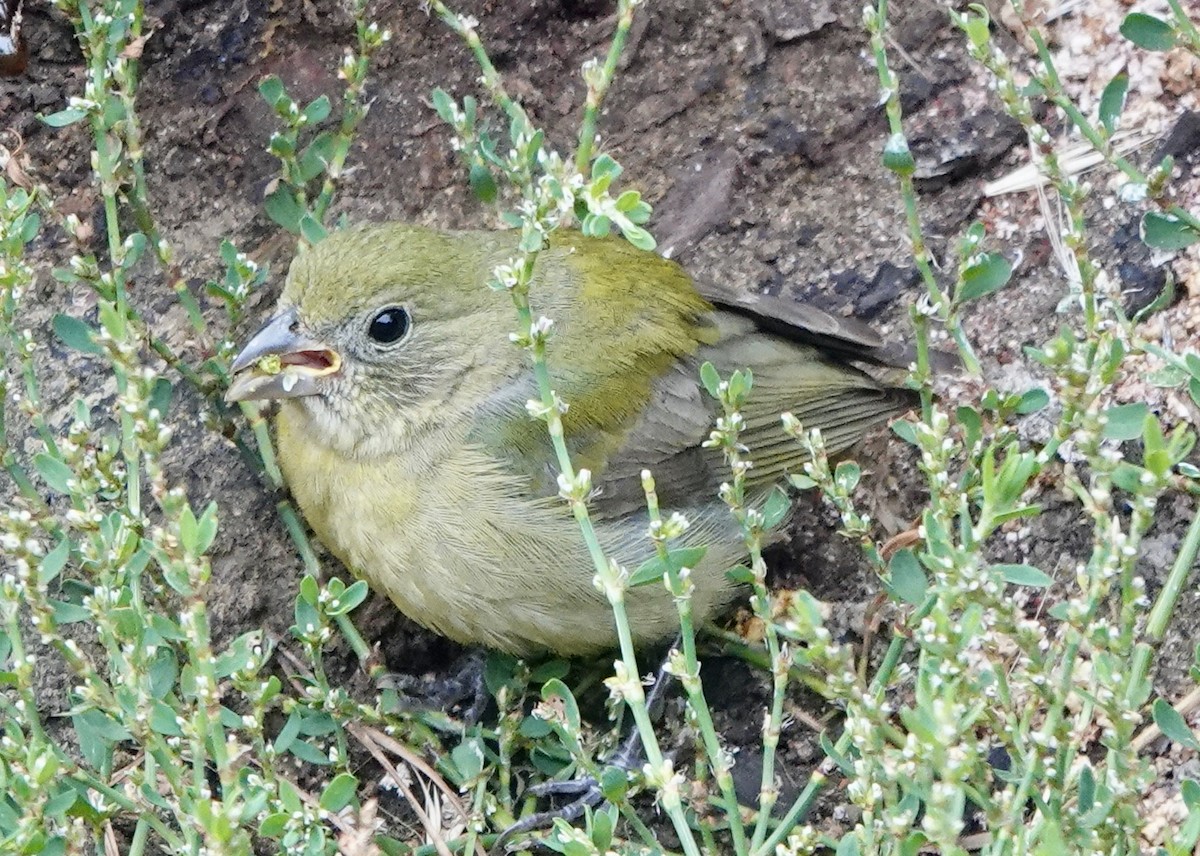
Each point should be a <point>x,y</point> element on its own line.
<point>1185,561</point>
<point>693,686</point>
<point>1185,27</point>
<point>817,781</point>
<point>1101,142</point>
<point>596,93</point>
<point>940,302</point>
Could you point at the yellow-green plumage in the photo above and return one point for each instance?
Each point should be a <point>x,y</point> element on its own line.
<point>418,465</point>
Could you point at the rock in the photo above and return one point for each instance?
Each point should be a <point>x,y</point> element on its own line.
<point>1141,280</point>
<point>788,20</point>
<point>698,202</point>
<point>1184,139</point>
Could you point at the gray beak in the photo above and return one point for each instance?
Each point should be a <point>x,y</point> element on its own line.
<point>281,361</point>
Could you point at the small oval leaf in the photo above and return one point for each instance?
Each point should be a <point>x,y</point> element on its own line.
<point>1024,575</point>
<point>907,583</point>
<point>1148,32</point>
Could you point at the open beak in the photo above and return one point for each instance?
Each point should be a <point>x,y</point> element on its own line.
<point>281,362</point>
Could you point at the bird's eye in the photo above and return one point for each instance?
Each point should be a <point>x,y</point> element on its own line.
<point>389,325</point>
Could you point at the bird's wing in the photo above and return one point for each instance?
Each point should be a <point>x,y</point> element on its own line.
<point>627,363</point>
<point>797,321</point>
<point>667,439</point>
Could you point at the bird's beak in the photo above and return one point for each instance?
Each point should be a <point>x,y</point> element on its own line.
<point>281,362</point>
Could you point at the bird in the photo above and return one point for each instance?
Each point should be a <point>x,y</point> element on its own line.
<point>404,437</point>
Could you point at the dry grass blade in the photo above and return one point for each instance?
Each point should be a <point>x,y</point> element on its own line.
<point>374,741</point>
<point>431,827</point>
<point>1074,159</point>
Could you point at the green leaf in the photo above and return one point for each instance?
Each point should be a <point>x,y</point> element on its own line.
<point>711,380</point>
<point>443,105</point>
<point>64,117</point>
<point>903,429</point>
<point>97,733</point>
<point>1087,789</point>
<point>848,846</point>
<point>602,830</point>
<point>339,793</point>
<point>206,528</point>
<point>655,567</point>
<point>1148,32</point>
<point>1032,401</point>
<point>977,25</point>
<point>164,720</point>
<point>776,508</point>
<point>847,474</point>
<point>271,89</point>
<point>534,728</point>
<point>605,167</point>
<point>1024,575</point>
<point>164,671</point>
<point>843,763</point>
<point>310,589</point>
<point>160,396</point>
<point>556,668</point>
<point>288,734</point>
<point>1112,102</point>
<point>61,802</point>
<point>305,751</point>
<point>1164,232</point>
<point>991,272</point>
<point>274,825</point>
<point>1173,725</point>
<point>30,228</point>
<point>1128,477</point>
<point>483,183</point>
<point>282,207</point>
<point>238,654</point>
<point>1125,421</point>
<point>740,575</point>
<point>348,600</point>
<point>54,472</point>
<point>972,424</point>
<point>638,236</point>
<point>547,761</point>
<point>133,253</point>
<point>468,759</point>
<point>897,157</point>
<point>317,155</point>
<point>53,562</point>
<point>906,583</point>
<point>614,782</point>
<point>318,110</point>
<point>311,230</point>
<point>801,482</point>
<point>556,693</point>
<point>1168,376</point>
<point>76,334</point>
<point>628,201</point>
<point>1190,791</point>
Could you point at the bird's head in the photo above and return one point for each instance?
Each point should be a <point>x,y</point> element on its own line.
<point>381,333</point>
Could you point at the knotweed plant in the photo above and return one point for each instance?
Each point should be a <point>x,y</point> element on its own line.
<point>985,723</point>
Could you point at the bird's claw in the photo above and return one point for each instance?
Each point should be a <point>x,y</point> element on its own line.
<point>463,688</point>
<point>587,794</point>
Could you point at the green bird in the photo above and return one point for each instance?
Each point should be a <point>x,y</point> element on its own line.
<point>404,437</point>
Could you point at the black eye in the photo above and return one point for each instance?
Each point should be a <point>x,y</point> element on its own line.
<point>390,325</point>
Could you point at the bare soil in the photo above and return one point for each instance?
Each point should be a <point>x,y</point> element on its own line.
<point>755,130</point>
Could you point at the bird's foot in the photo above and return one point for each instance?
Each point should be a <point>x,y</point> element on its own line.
<point>582,794</point>
<point>463,692</point>
<point>586,791</point>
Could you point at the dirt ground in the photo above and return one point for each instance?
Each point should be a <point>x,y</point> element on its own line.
<point>755,130</point>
